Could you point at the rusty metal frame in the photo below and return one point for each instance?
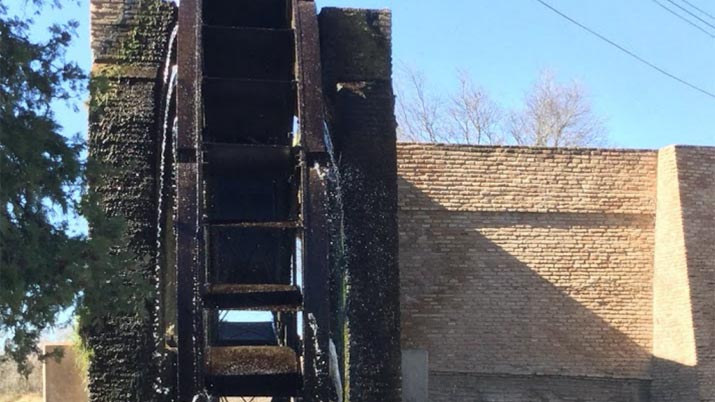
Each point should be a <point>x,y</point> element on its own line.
<point>316,286</point>
<point>189,262</point>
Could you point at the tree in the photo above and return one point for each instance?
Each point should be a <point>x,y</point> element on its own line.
<point>474,116</point>
<point>419,112</point>
<point>44,266</point>
<point>554,114</point>
<point>468,116</point>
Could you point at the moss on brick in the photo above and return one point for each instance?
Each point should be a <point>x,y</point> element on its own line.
<point>130,39</point>
<point>146,41</point>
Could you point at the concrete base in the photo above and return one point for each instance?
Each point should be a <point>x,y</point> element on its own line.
<point>62,379</point>
<point>415,375</point>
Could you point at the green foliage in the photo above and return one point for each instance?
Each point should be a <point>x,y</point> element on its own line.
<point>139,46</point>
<point>99,91</point>
<point>83,352</point>
<point>45,267</point>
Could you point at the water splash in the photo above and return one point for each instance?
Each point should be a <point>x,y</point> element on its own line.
<point>168,86</point>
<point>170,53</point>
<point>335,371</point>
<point>336,179</point>
<point>334,172</point>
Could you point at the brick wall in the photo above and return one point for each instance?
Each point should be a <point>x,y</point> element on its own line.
<point>129,44</point>
<point>696,175</point>
<point>129,31</point>
<point>356,56</point>
<point>684,276</point>
<point>528,262</point>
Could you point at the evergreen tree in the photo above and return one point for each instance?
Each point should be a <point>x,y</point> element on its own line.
<point>44,266</point>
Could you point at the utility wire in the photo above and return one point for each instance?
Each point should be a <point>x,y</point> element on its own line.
<point>691,13</point>
<point>684,19</point>
<point>626,51</point>
<point>699,9</point>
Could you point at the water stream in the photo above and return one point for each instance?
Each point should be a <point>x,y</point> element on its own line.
<point>335,178</point>
<point>168,131</point>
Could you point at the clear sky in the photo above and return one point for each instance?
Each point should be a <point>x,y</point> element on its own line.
<point>505,44</point>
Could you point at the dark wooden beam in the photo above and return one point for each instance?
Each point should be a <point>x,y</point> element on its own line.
<point>189,319</point>
<point>317,384</point>
<point>310,88</point>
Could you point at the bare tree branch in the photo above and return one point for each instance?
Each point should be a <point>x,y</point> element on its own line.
<point>556,115</point>
<point>420,117</point>
<point>475,117</point>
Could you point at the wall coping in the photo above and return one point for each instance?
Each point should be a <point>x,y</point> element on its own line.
<point>520,148</point>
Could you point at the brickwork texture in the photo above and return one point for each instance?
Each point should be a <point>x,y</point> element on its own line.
<point>129,43</point>
<point>528,274</point>
<point>684,276</point>
<point>357,65</point>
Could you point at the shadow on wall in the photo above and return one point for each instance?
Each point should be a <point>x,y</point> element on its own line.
<point>676,382</point>
<point>493,298</point>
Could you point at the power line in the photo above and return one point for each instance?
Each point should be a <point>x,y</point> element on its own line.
<point>691,13</point>
<point>626,51</point>
<point>699,9</point>
<point>684,19</point>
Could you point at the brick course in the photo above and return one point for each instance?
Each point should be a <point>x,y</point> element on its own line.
<point>502,179</point>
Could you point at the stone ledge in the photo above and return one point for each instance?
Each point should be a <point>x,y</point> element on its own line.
<point>125,71</point>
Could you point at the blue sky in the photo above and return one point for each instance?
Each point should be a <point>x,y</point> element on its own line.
<point>504,45</point>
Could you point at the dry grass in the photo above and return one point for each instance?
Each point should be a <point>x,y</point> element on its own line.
<point>21,398</point>
<point>13,386</point>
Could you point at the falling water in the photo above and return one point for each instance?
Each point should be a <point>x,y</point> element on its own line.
<point>168,85</point>
<point>335,177</point>
<point>170,53</point>
<point>164,138</point>
<point>334,172</point>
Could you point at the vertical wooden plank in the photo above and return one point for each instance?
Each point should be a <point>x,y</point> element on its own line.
<point>189,74</point>
<point>187,259</point>
<point>316,305</point>
<point>190,334</point>
<point>317,384</point>
<point>310,92</point>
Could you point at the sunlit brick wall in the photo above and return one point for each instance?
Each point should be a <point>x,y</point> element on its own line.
<point>528,267</point>
<point>684,279</point>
